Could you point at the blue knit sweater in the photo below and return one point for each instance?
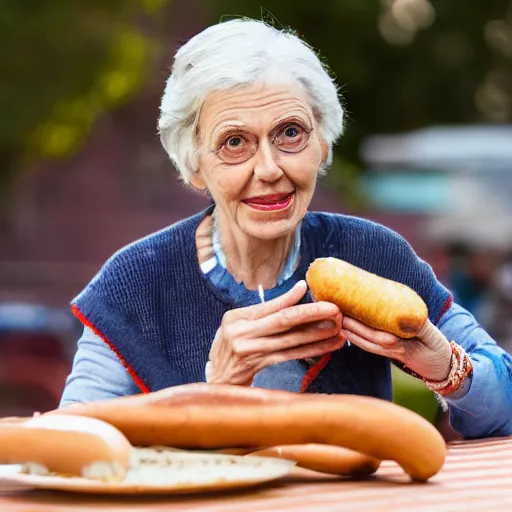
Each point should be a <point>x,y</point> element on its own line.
<point>152,303</point>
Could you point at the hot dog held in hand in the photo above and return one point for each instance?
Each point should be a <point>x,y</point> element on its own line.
<point>383,317</point>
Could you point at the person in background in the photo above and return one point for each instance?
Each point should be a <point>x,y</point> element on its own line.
<point>468,290</point>
<point>499,310</point>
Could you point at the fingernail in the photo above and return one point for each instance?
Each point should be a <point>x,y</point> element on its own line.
<point>326,324</point>
<point>344,335</point>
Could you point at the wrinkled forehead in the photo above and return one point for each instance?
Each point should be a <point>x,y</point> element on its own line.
<point>257,106</point>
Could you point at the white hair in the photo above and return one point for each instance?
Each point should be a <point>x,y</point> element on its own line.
<point>238,53</point>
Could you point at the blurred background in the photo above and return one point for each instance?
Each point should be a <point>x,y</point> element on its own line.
<point>427,86</point>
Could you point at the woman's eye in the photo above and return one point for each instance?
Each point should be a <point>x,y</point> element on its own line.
<point>234,142</point>
<point>235,149</point>
<point>292,139</point>
<point>291,131</point>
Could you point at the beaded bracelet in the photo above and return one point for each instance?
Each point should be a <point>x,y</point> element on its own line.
<point>460,368</point>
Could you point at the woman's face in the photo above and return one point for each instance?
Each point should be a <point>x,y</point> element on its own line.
<point>259,158</point>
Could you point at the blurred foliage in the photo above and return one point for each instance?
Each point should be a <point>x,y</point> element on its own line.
<point>402,64</point>
<point>413,394</point>
<point>63,65</point>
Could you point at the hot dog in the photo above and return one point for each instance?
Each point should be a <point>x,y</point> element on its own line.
<point>325,459</point>
<point>66,445</point>
<point>367,425</point>
<point>380,303</point>
<point>200,394</point>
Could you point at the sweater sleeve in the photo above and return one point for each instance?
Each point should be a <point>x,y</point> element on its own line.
<point>484,407</point>
<point>97,373</point>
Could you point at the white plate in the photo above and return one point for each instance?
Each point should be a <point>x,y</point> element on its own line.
<point>162,471</point>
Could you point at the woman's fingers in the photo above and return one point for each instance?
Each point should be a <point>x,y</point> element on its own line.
<point>318,348</point>
<point>306,335</point>
<point>393,351</point>
<point>290,298</point>
<point>250,338</point>
<point>368,333</point>
<point>291,318</point>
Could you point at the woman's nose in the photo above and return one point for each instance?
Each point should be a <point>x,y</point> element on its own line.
<point>266,167</point>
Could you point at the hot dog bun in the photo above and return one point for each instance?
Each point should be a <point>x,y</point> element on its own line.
<point>66,445</point>
<point>375,301</point>
<point>371,426</point>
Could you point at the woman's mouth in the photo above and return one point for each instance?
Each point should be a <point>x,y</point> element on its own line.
<point>271,202</point>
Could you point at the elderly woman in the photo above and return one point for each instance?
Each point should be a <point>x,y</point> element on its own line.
<point>249,116</point>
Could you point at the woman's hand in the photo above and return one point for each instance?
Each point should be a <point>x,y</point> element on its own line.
<point>253,337</point>
<point>428,355</point>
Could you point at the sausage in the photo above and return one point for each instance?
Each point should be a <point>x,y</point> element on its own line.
<point>375,301</point>
<point>371,426</point>
<point>318,457</point>
<point>325,459</point>
<point>200,393</point>
<point>66,445</point>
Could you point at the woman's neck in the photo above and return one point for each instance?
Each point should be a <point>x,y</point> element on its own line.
<point>253,261</point>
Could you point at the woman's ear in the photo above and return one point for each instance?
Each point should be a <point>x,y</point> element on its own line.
<point>197,181</point>
<point>325,150</point>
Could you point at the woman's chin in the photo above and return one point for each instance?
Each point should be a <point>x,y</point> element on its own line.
<point>270,229</point>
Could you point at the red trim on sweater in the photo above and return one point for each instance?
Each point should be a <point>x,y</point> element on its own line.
<point>96,331</point>
<point>314,371</point>
<point>446,307</point>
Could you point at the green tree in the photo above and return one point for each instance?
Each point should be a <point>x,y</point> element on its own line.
<point>63,65</point>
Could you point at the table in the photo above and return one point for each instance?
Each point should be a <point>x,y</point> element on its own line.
<point>477,476</point>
